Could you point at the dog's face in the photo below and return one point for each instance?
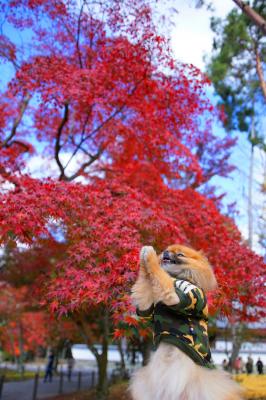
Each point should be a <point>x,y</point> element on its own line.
<point>185,263</point>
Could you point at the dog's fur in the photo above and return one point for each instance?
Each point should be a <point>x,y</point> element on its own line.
<point>170,373</point>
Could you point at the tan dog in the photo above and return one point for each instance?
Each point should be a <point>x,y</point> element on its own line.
<point>170,291</point>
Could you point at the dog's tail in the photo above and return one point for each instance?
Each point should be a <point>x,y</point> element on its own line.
<point>219,385</point>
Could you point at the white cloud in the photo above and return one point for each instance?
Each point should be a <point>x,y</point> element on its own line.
<point>192,36</point>
<point>191,41</point>
<point>43,166</point>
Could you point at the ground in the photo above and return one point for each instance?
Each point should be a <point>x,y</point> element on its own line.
<point>255,386</point>
<point>117,392</point>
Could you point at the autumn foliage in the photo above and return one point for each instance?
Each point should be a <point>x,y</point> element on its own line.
<point>124,137</point>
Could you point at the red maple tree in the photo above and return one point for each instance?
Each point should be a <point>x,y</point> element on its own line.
<point>126,140</point>
<point>26,325</point>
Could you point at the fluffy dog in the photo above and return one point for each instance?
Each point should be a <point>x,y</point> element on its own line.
<point>170,290</point>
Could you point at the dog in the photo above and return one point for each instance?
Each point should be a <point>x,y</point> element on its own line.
<point>170,291</point>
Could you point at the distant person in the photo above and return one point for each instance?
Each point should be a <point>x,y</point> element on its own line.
<point>249,365</point>
<point>238,365</point>
<point>225,365</point>
<point>49,367</point>
<point>259,365</point>
<point>251,361</point>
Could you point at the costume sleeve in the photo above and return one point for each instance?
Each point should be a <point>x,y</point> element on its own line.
<point>146,314</point>
<point>192,298</point>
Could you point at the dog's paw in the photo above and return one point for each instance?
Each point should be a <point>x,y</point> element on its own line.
<point>145,253</point>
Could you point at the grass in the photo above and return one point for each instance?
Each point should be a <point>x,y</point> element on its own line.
<point>12,375</point>
<point>117,392</point>
<point>254,385</point>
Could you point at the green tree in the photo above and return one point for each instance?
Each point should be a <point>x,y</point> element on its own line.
<point>236,70</point>
<point>254,16</point>
<point>236,66</point>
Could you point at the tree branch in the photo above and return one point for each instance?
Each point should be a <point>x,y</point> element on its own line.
<point>78,146</point>
<point>19,143</point>
<point>90,135</point>
<point>86,164</point>
<point>86,338</point>
<point>117,111</point>
<point>260,72</point>
<point>253,15</point>
<point>78,35</point>
<point>57,142</point>
<point>17,120</point>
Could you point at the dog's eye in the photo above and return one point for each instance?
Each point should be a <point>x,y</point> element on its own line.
<point>180,255</point>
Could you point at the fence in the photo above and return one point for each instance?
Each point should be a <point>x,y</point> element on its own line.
<point>79,380</point>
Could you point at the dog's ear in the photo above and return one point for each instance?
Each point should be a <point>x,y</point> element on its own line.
<point>204,273</point>
<point>204,278</point>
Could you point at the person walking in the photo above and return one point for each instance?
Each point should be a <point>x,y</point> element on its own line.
<point>49,367</point>
<point>259,365</point>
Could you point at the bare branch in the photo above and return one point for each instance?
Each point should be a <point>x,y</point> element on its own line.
<point>113,115</point>
<point>6,51</point>
<point>57,142</point>
<point>82,137</point>
<point>81,170</point>
<point>19,143</point>
<point>90,135</point>
<point>17,120</point>
<point>78,35</point>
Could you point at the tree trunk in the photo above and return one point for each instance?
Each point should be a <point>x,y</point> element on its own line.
<point>102,361</point>
<point>56,359</point>
<point>12,343</point>
<point>253,15</point>
<point>21,349</point>
<point>250,186</point>
<point>122,357</point>
<point>260,73</point>
<point>250,199</point>
<point>101,357</point>
<point>102,386</point>
<point>236,330</point>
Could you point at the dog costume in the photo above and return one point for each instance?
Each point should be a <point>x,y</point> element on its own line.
<point>183,325</point>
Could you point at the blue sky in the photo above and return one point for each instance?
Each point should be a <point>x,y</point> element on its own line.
<point>191,41</point>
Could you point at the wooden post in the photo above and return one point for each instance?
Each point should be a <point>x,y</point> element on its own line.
<point>93,379</point>
<point>61,380</point>
<point>35,386</point>
<point>79,380</point>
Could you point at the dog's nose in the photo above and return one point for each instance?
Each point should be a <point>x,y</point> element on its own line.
<point>166,255</point>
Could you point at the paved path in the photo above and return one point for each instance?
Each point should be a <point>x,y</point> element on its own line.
<point>23,390</point>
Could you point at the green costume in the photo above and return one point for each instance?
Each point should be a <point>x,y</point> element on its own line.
<point>184,324</point>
